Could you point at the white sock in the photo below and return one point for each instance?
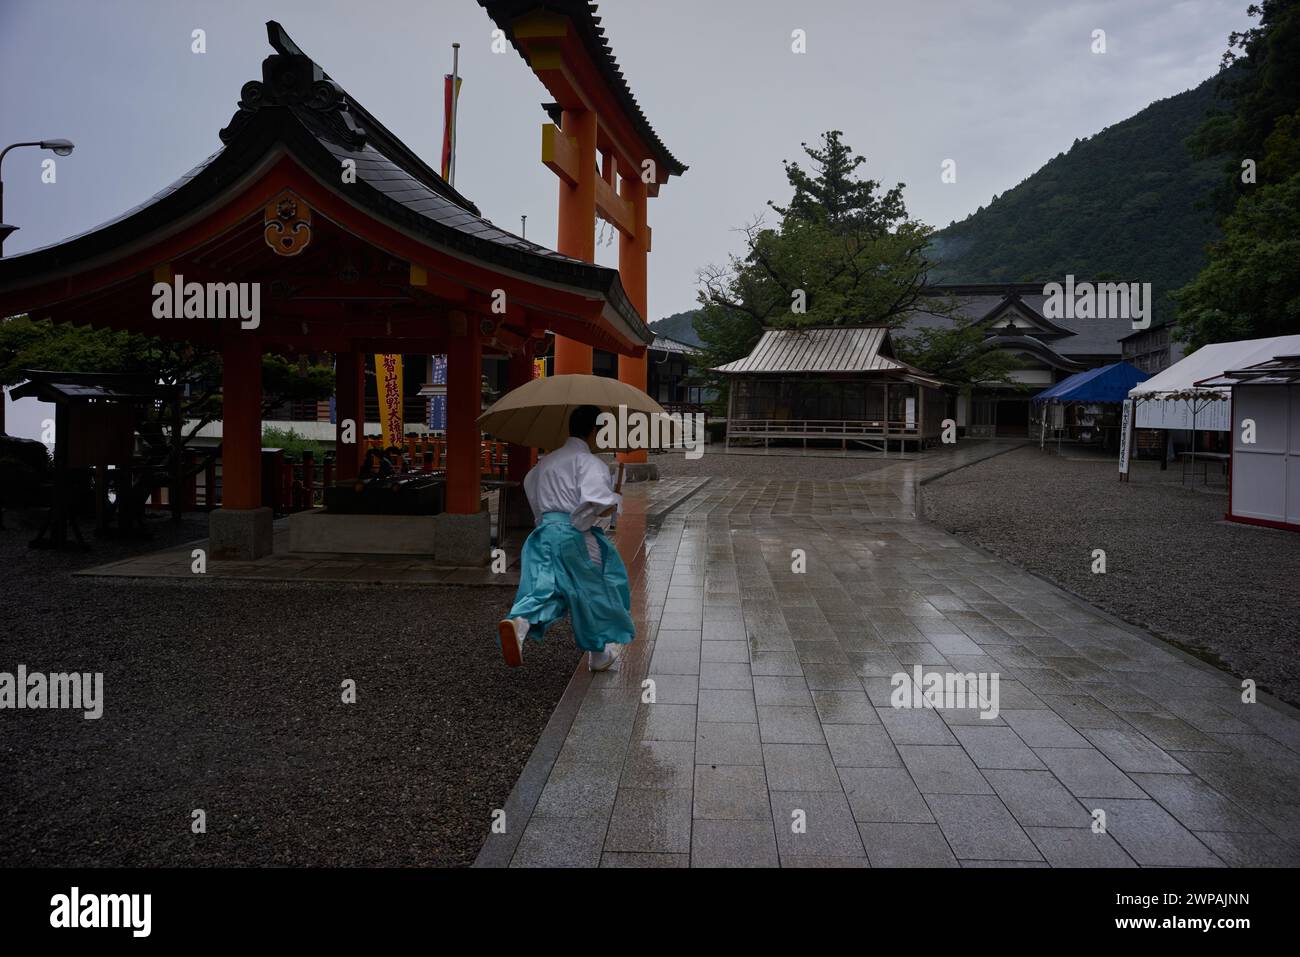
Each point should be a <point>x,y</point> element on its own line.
<point>521,629</point>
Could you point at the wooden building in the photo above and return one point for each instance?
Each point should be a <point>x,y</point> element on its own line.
<point>1048,350</point>
<point>831,384</point>
<point>668,374</point>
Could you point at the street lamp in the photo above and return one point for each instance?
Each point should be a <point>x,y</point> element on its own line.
<point>59,148</point>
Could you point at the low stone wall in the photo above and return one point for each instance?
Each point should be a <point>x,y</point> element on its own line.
<point>448,539</point>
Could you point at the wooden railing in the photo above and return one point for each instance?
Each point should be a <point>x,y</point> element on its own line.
<point>823,428</point>
<point>301,485</point>
<point>430,455</point>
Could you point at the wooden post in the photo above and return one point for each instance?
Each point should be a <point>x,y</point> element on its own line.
<point>210,484</point>
<point>464,399</point>
<point>731,406</point>
<point>885,418</point>
<point>920,416</point>
<point>175,495</point>
<point>308,479</point>
<point>241,422</point>
<point>191,483</point>
<point>349,406</point>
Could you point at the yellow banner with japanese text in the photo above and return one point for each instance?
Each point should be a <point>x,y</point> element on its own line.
<point>388,380</point>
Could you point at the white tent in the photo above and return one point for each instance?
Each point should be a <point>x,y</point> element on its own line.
<point>1172,400</point>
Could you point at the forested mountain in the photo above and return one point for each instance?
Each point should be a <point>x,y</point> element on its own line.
<point>678,326</point>
<point>1120,204</point>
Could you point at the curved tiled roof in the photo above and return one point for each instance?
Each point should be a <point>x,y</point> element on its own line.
<point>583,15</point>
<point>298,105</point>
<point>976,303</point>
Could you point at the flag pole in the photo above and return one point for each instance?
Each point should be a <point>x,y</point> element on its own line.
<point>455,82</point>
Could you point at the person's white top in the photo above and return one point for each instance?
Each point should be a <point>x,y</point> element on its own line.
<point>571,479</point>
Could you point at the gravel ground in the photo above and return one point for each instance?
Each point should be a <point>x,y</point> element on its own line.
<point>226,696</point>
<point>1227,592</point>
<point>719,464</point>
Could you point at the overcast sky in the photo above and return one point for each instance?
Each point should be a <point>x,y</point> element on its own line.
<point>1000,86</point>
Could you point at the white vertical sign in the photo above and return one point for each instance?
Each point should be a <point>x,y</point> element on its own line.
<point>1125,430</point>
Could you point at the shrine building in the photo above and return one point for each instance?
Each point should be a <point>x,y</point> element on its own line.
<point>349,243</point>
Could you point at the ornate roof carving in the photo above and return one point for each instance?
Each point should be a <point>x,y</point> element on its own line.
<point>294,80</point>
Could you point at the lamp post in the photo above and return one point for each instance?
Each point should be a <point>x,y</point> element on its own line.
<point>59,147</point>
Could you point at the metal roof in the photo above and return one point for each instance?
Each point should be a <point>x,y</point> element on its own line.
<point>676,346</point>
<point>820,349</point>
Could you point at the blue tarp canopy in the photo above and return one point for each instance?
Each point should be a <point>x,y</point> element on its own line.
<point>1106,384</point>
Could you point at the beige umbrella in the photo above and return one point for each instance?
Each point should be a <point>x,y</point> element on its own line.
<point>537,414</point>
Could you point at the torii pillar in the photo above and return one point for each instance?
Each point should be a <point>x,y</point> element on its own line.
<point>633,251</point>
<point>577,220</point>
<point>599,120</point>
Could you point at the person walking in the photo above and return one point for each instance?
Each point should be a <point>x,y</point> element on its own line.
<point>567,566</point>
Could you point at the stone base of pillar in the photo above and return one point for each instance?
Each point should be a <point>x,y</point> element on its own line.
<point>464,539</point>
<point>640,472</point>
<point>241,534</point>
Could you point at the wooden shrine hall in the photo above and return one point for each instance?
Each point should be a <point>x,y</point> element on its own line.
<point>314,229</point>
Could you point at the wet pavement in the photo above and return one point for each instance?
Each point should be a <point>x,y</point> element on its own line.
<point>753,722</point>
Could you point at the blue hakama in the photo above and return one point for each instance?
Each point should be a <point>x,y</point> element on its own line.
<point>558,577</point>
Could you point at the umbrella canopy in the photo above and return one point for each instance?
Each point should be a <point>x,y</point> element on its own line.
<point>537,414</point>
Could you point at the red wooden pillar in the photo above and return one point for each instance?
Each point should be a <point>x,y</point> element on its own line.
<point>241,423</point>
<point>464,402</point>
<point>632,266</point>
<point>577,224</point>
<point>349,404</point>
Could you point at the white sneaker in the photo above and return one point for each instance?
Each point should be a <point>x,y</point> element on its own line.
<point>602,660</point>
<point>512,632</point>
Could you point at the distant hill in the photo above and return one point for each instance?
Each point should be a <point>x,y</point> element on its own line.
<point>1119,205</point>
<point>679,326</point>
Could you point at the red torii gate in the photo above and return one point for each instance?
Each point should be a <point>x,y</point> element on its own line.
<point>598,117</point>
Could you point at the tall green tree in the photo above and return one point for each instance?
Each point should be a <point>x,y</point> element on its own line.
<point>1250,286</point>
<point>843,253</point>
<point>833,195</point>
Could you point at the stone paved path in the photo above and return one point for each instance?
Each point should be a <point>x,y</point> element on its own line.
<point>772,741</point>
